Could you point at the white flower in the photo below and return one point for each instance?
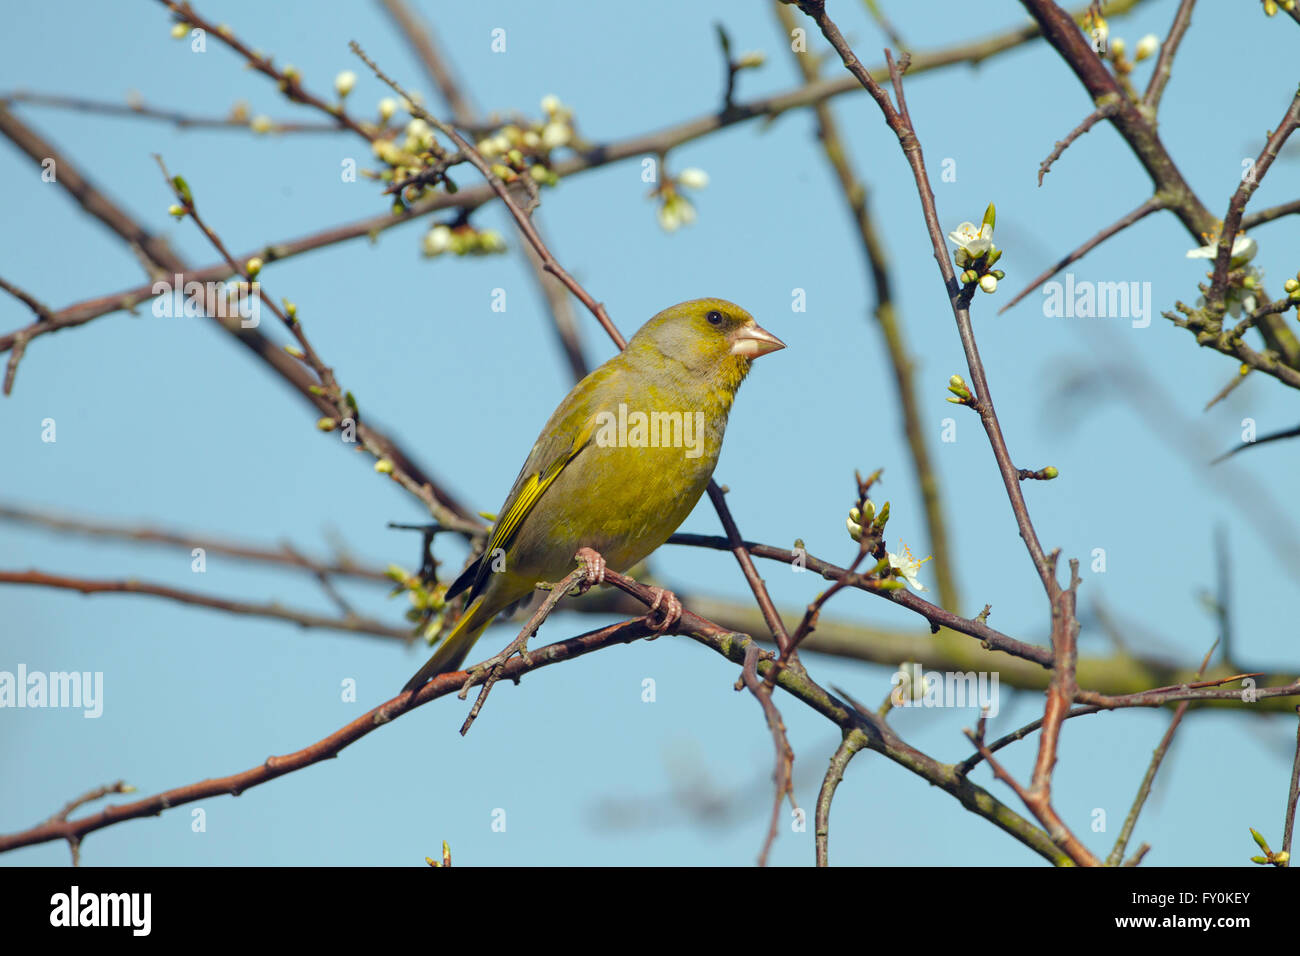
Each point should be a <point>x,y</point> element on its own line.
<point>556,134</point>
<point>261,124</point>
<point>344,82</point>
<point>1100,34</point>
<point>693,178</point>
<point>972,240</point>
<point>437,241</point>
<point>1146,47</point>
<point>551,104</point>
<point>989,283</point>
<point>685,211</point>
<point>1247,303</point>
<point>387,107</point>
<point>1243,298</point>
<point>1243,250</point>
<point>418,128</point>
<point>676,212</point>
<point>907,566</point>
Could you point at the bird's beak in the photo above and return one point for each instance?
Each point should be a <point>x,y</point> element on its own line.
<point>751,341</point>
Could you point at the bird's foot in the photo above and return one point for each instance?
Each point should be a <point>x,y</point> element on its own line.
<point>489,671</point>
<point>595,565</point>
<point>665,611</point>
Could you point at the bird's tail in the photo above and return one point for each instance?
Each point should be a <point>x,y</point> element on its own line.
<point>455,646</point>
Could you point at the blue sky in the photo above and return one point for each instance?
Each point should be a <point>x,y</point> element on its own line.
<point>164,421</point>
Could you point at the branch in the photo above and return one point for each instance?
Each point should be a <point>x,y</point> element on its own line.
<point>855,197</point>
<point>1137,126</point>
<point>1089,121</point>
<point>350,623</point>
<point>120,786</point>
<point>1262,216</point>
<point>1141,212</point>
<point>1165,61</point>
<point>782,775</point>
<point>21,340</point>
<point>1293,795</point>
<point>588,158</point>
<point>1144,789</point>
<point>420,36</point>
<point>159,254</point>
<point>285,555</point>
<point>1249,183</point>
<point>289,83</point>
<point>237,120</point>
<point>729,644</point>
<point>900,122</point>
<point>853,741</point>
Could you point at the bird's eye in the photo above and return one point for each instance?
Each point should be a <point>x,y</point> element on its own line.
<point>714,317</point>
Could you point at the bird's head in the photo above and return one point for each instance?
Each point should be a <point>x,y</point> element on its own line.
<point>712,337</point>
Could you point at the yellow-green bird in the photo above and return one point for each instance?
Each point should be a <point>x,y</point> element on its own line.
<point>619,465</point>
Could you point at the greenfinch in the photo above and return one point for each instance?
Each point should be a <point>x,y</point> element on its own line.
<point>619,465</point>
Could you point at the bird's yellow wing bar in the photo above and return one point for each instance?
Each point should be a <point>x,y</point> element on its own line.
<point>521,505</point>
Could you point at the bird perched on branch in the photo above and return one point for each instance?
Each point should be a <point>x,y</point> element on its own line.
<point>618,467</point>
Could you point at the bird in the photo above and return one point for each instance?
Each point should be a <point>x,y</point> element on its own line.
<point>618,467</point>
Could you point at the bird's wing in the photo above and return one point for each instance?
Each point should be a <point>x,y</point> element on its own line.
<point>527,491</point>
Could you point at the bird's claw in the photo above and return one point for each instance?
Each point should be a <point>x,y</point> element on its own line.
<point>487,668</point>
<point>595,565</point>
<point>669,614</point>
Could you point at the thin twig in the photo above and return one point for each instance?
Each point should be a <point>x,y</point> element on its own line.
<point>1136,124</point>
<point>853,741</point>
<point>525,225</point>
<point>43,316</point>
<point>493,667</point>
<point>969,764</point>
<point>444,507</point>
<point>899,121</point>
<point>782,774</point>
<point>1261,216</point>
<point>352,625</point>
<point>1154,204</point>
<point>289,83</point>
<point>423,40</point>
<point>1245,189</point>
<point>1092,119</point>
<point>339,566</point>
<point>420,36</point>
<point>598,155</point>
<point>181,120</point>
<point>1165,61</point>
<point>1293,796</point>
<point>891,329</point>
<point>74,842</point>
<point>1144,789</point>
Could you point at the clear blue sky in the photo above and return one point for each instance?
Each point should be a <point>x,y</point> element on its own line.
<point>165,421</point>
